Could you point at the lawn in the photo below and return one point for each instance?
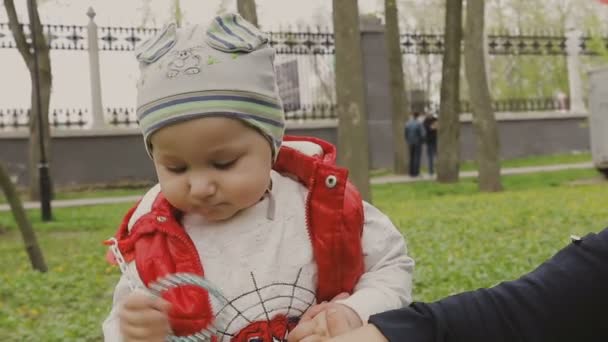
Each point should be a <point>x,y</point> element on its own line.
<point>554,159</point>
<point>63,194</point>
<point>546,160</point>
<point>461,240</point>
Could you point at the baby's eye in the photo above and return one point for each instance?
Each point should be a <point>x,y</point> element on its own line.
<point>224,165</point>
<point>176,169</point>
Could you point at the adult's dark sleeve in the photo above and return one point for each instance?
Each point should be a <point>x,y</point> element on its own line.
<point>564,299</point>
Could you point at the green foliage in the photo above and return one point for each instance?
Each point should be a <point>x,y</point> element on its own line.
<point>69,302</point>
<point>521,77</point>
<point>460,239</point>
<point>597,43</point>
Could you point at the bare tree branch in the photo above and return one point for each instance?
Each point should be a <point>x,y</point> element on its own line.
<point>25,227</point>
<point>41,78</point>
<point>223,7</point>
<point>248,10</point>
<point>17,30</point>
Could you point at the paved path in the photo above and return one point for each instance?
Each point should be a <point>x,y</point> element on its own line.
<point>77,202</point>
<point>376,180</point>
<point>472,174</point>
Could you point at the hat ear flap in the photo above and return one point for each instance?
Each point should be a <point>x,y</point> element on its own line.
<point>158,45</point>
<point>232,33</point>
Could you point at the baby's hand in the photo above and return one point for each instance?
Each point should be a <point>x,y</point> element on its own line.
<point>318,308</point>
<point>144,318</point>
<point>335,320</point>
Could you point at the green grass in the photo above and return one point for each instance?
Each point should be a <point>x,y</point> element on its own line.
<point>88,193</point>
<point>100,193</point>
<point>69,302</point>
<point>556,159</point>
<point>461,240</point>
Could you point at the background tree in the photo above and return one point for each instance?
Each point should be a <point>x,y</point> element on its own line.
<point>398,95</point>
<point>353,147</point>
<point>45,82</point>
<point>448,136</point>
<point>422,70</point>
<point>147,17</point>
<point>223,7</point>
<point>323,65</point>
<point>247,10</point>
<point>27,232</point>
<point>178,15</point>
<point>484,122</point>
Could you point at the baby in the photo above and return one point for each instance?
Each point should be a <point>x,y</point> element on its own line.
<point>269,221</point>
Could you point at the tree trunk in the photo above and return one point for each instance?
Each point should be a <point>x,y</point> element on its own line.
<point>34,141</point>
<point>178,15</point>
<point>353,147</point>
<point>247,10</point>
<point>398,96</point>
<point>27,232</point>
<point>484,121</point>
<point>45,79</point>
<point>448,134</point>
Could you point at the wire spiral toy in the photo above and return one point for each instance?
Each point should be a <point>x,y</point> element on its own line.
<point>172,281</point>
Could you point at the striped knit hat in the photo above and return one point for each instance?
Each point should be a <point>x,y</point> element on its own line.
<point>225,69</point>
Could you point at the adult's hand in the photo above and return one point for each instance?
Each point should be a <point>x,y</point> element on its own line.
<point>367,333</point>
<point>334,327</point>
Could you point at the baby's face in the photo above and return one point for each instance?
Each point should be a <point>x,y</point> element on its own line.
<point>212,166</point>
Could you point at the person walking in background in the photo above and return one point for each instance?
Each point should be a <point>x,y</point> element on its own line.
<point>430,127</point>
<point>414,136</point>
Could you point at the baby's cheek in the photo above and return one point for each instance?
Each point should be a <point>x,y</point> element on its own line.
<point>175,191</point>
<point>249,193</point>
<point>251,183</point>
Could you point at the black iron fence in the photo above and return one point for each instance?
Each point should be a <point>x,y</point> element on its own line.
<point>75,37</point>
<point>312,42</point>
<point>75,118</point>
<point>79,118</point>
<point>549,104</point>
<point>305,68</point>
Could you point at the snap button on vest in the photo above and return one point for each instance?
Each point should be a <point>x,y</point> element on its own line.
<point>331,181</point>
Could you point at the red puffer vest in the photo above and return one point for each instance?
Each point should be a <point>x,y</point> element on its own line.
<point>334,212</point>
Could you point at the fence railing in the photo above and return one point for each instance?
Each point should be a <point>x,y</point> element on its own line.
<point>305,67</point>
<point>79,118</point>
<point>547,42</point>
<point>505,105</point>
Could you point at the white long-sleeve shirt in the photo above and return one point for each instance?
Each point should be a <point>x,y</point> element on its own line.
<point>265,267</point>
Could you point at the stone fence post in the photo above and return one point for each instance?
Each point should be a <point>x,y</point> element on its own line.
<point>573,50</point>
<point>598,117</point>
<point>97,114</point>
